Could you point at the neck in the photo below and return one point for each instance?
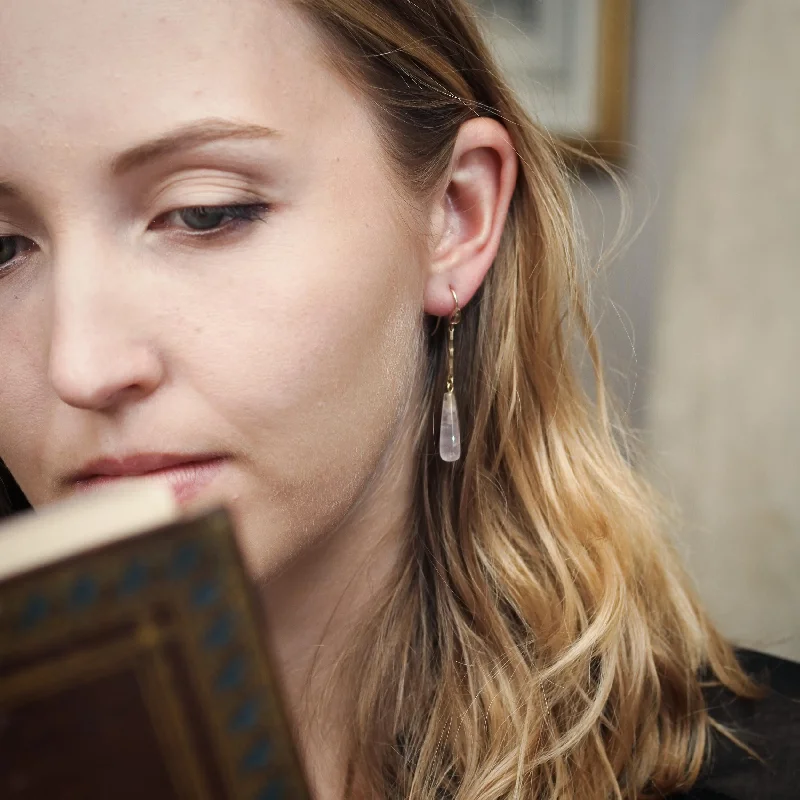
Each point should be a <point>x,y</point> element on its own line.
<point>315,606</point>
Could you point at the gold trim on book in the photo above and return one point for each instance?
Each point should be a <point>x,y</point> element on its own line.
<point>69,670</point>
<point>138,653</point>
<point>169,722</point>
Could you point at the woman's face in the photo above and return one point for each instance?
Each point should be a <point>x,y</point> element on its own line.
<point>284,341</point>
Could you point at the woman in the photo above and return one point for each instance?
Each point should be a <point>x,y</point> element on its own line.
<point>248,237</point>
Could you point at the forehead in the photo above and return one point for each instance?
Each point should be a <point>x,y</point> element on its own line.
<point>85,75</point>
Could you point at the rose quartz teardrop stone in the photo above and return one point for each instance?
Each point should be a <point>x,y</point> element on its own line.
<point>449,431</point>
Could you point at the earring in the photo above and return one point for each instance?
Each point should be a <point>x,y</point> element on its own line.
<point>449,431</point>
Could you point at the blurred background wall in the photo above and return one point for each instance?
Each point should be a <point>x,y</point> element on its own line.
<point>699,322</point>
<point>672,43</point>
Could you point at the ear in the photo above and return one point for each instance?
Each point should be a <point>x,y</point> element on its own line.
<point>467,219</point>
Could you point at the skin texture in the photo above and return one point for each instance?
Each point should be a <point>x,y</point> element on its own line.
<point>290,344</point>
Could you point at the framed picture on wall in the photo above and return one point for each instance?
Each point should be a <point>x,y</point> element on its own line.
<point>569,60</point>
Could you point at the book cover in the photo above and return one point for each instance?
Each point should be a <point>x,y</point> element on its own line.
<point>138,670</point>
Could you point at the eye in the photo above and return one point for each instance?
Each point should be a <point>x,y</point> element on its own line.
<point>199,220</point>
<point>11,247</point>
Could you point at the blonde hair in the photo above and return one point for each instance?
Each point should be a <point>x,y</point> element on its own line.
<point>541,638</point>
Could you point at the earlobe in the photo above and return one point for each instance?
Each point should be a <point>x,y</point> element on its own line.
<point>470,215</point>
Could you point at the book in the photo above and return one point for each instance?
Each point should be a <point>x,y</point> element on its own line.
<point>132,657</point>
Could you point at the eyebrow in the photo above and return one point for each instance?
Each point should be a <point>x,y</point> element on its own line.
<point>8,191</point>
<point>193,134</point>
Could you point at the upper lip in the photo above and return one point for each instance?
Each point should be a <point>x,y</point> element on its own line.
<point>136,464</point>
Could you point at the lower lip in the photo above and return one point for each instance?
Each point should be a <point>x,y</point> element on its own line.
<point>185,480</point>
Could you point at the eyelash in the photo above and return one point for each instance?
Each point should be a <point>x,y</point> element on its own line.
<point>238,216</point>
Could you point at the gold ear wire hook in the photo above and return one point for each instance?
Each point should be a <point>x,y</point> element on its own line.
<point>455,317</point>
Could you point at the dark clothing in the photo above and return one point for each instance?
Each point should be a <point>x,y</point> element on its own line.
<point>770,726</point>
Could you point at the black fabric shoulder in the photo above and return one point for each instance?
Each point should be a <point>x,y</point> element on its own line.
<point>770,726</point>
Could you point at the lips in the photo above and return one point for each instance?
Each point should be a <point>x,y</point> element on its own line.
<point>185,474</point>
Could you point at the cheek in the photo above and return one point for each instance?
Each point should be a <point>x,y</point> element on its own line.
<point>318,360</point>
<point>22,416</point>
<point>322,305</point>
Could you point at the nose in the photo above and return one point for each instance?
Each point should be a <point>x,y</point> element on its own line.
<point>101,354</point>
